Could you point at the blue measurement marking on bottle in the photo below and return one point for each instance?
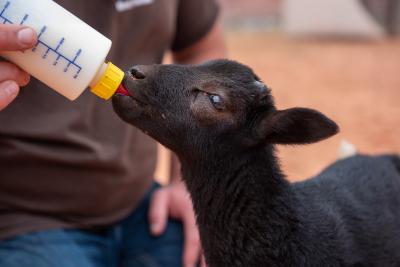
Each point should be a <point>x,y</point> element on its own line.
<point>24,19</point>
<point>48,48</point>
<point>58,46</point>
<point>39,36</point>
<point>5,20</point>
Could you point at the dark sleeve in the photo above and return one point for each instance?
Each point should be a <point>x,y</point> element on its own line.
<point>195,18</point>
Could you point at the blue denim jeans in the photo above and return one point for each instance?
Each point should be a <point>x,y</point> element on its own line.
<point>125,244</point>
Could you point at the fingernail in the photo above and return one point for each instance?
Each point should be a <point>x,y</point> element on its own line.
<point>26,36</point>
<point>11,89</point>
<point>155,228</point>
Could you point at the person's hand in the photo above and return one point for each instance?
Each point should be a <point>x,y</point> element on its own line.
<point>13,38</point>
<point>174,201</point>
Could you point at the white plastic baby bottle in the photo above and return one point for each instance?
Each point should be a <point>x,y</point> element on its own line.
<point>69,56</point>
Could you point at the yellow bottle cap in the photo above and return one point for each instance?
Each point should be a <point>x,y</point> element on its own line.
<point>109,82</point>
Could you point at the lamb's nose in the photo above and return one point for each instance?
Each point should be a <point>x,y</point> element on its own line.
<point>137,73</point>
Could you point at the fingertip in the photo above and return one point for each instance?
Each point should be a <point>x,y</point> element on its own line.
<point>16,38</point>
<point>156,228</point>
<point>26,78</point>
<point>8,92</point>
<point>11,89</point>
<point>26,37</point>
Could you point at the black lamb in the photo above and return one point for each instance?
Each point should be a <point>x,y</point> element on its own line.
<point>221,121</point>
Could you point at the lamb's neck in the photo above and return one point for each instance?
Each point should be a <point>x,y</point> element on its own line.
<point>241,202</point>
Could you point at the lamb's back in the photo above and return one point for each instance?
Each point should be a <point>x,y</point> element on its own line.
<point>359,198</point>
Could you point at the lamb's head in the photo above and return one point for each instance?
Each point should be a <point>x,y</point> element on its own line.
<point>219,104</point>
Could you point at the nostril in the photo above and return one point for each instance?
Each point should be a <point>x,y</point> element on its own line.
<point>136,73</point>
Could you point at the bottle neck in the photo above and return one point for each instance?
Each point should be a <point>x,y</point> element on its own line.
<point>107,81</point>
<point>99,75</point>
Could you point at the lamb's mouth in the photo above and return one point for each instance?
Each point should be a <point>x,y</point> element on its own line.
<point>124,92</point>
<point>133,99</point>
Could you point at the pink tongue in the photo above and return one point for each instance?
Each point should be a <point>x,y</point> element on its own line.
<point>121,90</point>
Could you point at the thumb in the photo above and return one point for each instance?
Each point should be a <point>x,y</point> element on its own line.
<point>158,213</point>
<point>13,37</point>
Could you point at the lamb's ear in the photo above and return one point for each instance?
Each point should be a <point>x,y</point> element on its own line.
<point>297,126</point>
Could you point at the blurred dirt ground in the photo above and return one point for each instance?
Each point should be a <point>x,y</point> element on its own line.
<point>356,83</point>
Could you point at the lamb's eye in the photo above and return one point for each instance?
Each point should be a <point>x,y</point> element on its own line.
<point>216,101</point>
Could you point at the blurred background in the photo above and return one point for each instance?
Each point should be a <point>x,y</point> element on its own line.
<point>341,57</point>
